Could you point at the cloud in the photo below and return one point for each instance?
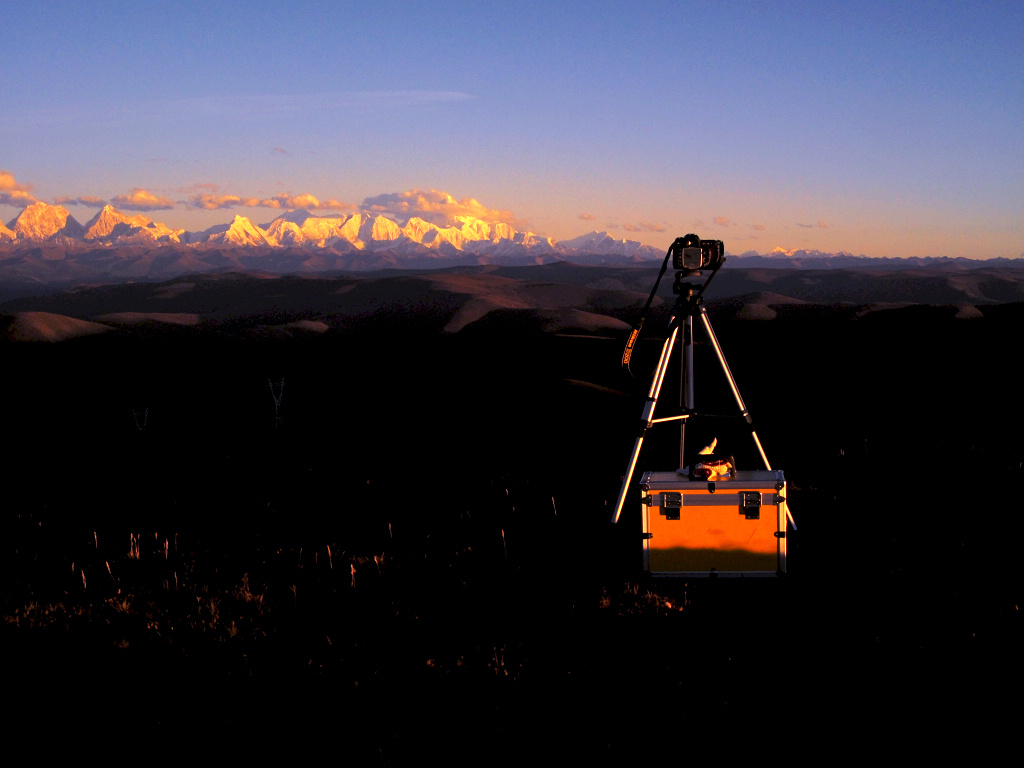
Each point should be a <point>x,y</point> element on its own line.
<point>805,226</point>
<point>142,200</point>
<point>822,225</point>
<point>87,200</point>
<point>586,216</point>
<point>722,221</point>
<point>208,201</point>
<point>437,207</point>
<point>281,151</point>
<point>643,226</point>
<point>758,227</point>
<point>13,193</point>
<point>307,201</point>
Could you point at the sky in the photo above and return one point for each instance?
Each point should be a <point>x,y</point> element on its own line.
<point>883,129</point>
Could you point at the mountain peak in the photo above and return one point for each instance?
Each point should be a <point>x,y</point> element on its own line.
<point>110,223</point>
<point>241,232</point>
<point>41,221</point>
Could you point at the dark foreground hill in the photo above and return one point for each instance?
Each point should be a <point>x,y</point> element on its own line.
<point>372,514</point>
<point>557,297</point>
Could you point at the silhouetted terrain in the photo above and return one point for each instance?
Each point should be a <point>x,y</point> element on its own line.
<point>412,554</point>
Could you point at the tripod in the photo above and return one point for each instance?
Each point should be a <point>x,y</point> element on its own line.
<point>689,302</point>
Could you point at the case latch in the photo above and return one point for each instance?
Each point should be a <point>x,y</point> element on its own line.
<point>671,503</point>
<point>750,504</point>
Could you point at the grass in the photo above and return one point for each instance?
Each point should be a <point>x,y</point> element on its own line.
<point>396,585</point>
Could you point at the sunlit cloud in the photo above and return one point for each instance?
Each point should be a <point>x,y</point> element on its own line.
<point>822,225</point>
<point>722,221</point>
<point>437,207</point>
<point>586,216</point>
<point>758,227</point>
<point>142,200</point>
<point>13,193</point>
<point>281,151</point>
<point>209,201</point>
<point>87,200</point>
<point>307,201</point>
<point>643,226</point>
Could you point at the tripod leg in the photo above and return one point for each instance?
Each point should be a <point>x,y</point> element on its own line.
<point>648,416</point>
<point>739,398</point>
<point>732,383</point>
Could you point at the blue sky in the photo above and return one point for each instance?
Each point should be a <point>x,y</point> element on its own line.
<point>876,128</point>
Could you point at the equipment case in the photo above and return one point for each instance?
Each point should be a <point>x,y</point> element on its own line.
<point>734,525</point>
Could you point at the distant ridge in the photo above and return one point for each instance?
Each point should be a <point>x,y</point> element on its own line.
<point>556,298</point>
<point>43,223</point>
<point>802,259</point>
<point>45,248</point>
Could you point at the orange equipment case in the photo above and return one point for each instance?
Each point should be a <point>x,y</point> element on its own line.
<point>734,525</point>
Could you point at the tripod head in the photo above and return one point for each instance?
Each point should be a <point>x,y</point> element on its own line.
<point>690,256</point>
<point>691,253</point>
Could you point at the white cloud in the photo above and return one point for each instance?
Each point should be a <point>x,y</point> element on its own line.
<point>209,201</point>
<point>437,207</point>
<point>13,193</point>
<point>87,200</point>
<point>142,200</point>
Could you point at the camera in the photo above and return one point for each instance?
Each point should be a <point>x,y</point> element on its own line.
<point>691,253</point>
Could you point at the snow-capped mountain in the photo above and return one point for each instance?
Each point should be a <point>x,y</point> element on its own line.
<point>240,232</point>
<point>466,237</point>
<point>104,223</point>
<point>603,243</point>
<point>40,221</point>
<point>303,228</point>
<point>112,226</point>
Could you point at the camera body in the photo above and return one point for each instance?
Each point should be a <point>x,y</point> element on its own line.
<point>690,253</point>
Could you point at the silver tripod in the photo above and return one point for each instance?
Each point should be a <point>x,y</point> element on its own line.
<point>686,306</point>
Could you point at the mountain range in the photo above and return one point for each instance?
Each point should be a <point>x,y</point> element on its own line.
<point>45,247</point>
<point>52,224</point>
